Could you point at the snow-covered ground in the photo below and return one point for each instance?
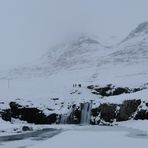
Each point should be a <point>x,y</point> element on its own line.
<point>96,138</point>
<point>129,134</point>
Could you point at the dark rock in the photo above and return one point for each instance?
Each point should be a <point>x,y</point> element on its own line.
<point>52,118</point>
<point>31,115</point>
<point>127,109</point>
<point>136,89</point>
<point>79,85</point>
<point>15,129</point>
<point>14,105</point>
<point>107,112</point>
<point>103,91</point>
<point>6,115</point>
<point>142,115</point>
<point>95,93</point>
<point>34,115</point>
<point>111,90</point>
<point>15,109</point>
<point>120,90</point>
<point>50,109</point>
<point>26,128</point>
<point>55,99</point>
<point>90,87</point>
<point>75,116</point>
<point>95,112</point>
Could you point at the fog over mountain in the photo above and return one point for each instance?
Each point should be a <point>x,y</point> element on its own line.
<point>29,28</point>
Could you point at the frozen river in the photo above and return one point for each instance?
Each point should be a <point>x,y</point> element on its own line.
<point>79,137</point>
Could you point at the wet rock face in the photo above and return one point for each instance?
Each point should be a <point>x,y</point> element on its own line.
<point>75,116</point>
<point>111,90</point>
<point>31,115</point>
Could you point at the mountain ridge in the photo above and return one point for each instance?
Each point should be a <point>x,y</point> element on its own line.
<point>86,53</point>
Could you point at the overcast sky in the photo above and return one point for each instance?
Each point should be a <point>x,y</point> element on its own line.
<point>29,27</point>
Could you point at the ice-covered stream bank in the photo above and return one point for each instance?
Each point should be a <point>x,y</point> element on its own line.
<point>88,136</point>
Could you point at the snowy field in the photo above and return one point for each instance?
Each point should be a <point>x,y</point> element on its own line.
<point>96,138</point>
<point>128,135</point>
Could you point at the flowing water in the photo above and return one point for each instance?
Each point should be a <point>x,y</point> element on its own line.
<point>85,113</point>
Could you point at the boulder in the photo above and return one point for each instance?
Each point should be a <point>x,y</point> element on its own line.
<point>26,128</point>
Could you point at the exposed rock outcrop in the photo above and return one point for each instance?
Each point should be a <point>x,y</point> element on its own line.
<point>127,109</point>
<point>104,114</point>
<point>6,115</point>
<point>108,113</point>
<point>142,115</point>
<point>111,90</point>
<point>29,114</point>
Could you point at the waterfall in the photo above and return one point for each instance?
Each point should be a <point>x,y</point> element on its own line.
<point>67,117</point>
<point>85,113</point>
<point>64,119</point>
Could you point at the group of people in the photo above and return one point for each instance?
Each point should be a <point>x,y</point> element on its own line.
<point>77,85</point>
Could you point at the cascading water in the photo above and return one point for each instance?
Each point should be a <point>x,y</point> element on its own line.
<point>69,117</point>
<point>66,118</point>
<point>85,113</point>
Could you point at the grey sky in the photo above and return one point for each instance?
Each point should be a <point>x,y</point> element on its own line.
<point>29,27</point>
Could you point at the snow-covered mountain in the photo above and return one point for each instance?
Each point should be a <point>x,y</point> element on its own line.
<point>128,60</point>
<point>84,60</point>
<point>134,48</point>
<point>77,54</point>
<point>87,54</point>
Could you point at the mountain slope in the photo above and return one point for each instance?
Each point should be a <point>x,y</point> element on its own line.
<point>87,60</point>
<point>129,60</point>
<point>78,54</point>
<point>134,48</point>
